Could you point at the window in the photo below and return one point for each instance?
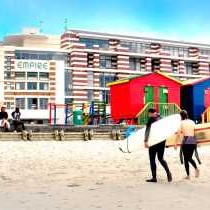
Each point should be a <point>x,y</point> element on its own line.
<point>32,75</point>
<point>90,42</point>
<point>8,86</point>
<point>134,63</point>
<point>176,51</point>
<point>20,75</point>
<point>32,103</point>
<point>136,46</point>
<point>9,105</point>
<point>40,55</point>
<point>155,64</point>
<point>175,66</point>
<point>90,60</point>
<point>105,96</point>
<point>8,58</point>
<point>90,96</point>
<point>7,75</point>
<point>90,78</point>
<point>108,62</point>
<point>20,85</point>
<point>68,82</point>
<point>43,103</point>
<point>104,79</point>
<point>8,68</point>
<point>43,86</point>
<point>189,67</point>
<point>43,76</point>
<point>32,86</point>
<point>20,102</point>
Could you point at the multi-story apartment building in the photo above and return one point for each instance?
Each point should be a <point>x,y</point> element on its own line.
<point>99,58</point>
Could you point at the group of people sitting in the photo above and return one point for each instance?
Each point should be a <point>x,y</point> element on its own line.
<point>4,121</point>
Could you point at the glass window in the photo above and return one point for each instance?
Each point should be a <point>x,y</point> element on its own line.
<point>43,103</point>
<point>43,76</point>
<point>43,86</point>
<point>175,66</point>
<point>32,86</point>
<point>9,105</point>
<point>8,68</point>
<point>20,102</point>
<point>68,82</point>
<point>7,75</point>
<point>135,46</point>
<point>90,96</point>
<point>188,67</point>
<point>108,62</point>
<point>90,78</point>
<point>8,63</point>
<point>105,96</point>
<point>8,58</point>
<point>20,75</point>
<point>134,63</point>
<point>90,42</point>
<point>32,103</point>
<point>20,85</point>
<point>8,86</point>
<point>40,55</point>
<point>32,75</point>
<point>104,79</point>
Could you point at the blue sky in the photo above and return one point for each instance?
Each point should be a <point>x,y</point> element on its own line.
<point>172,19</point>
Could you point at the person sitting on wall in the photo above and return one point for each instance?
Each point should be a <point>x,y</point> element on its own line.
<point>4,123</point>
<point>16,120</point>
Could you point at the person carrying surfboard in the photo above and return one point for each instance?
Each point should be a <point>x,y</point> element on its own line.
<point>155,150</point>
<point>188,144</point>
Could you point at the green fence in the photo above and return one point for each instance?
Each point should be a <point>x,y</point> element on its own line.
<point>164,109</point>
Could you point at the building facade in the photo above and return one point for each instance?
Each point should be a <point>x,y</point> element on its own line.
<point>31,79</point>
<point>99,58</point>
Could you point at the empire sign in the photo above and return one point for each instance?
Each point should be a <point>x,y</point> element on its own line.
<point>32,65</point>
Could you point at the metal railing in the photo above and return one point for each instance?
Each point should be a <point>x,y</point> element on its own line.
<point>164,109</point>
<point>206,115</point>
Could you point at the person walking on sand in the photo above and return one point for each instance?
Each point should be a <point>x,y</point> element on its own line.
<point>188,143</point>
<point>157,149</point>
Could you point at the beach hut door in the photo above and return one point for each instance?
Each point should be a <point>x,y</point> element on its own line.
<point>148,94</point>
<point>163,100</point>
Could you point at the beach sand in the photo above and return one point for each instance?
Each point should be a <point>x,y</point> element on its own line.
<point>95,175</point>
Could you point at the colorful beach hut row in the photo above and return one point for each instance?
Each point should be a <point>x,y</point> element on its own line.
<point>131,96</point>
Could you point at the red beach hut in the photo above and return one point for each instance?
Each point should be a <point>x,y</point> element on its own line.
<point>130,96</point>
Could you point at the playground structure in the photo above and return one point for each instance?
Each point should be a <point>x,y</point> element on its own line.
<point>88,113</point>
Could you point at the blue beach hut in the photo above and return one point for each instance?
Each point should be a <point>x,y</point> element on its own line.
<point>195,97</point>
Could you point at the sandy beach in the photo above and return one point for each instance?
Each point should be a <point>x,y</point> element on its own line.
<point>94,175</point>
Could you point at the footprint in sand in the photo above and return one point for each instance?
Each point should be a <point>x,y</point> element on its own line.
<point>73,185</point>
<point>99,183</point>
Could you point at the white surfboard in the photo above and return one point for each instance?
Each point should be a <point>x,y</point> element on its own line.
<point>160,130</point>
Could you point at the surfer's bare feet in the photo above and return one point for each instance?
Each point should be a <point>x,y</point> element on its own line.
<point>197,173</point>
<point>152,180</point>
<point>187,178</point>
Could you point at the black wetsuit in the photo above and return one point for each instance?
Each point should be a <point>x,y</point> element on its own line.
<point>158,150</point>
